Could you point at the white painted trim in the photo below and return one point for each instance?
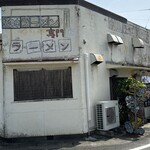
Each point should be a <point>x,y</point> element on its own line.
<point>39,63</point>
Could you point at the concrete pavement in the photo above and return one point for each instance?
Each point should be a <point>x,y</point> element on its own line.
<point>77,142</point>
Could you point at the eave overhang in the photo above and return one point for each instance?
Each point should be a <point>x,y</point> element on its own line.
<point>120,66</point>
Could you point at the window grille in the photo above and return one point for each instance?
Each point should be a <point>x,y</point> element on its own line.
<point>42,84</point>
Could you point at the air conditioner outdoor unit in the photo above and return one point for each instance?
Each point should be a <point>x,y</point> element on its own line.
<point>107,115</point>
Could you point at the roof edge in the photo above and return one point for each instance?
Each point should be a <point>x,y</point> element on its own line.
<point>37,2</point>
<point>64,2</point>
<point>102,11</point>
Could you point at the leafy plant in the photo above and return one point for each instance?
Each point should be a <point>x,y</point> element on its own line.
<point>129,86</point>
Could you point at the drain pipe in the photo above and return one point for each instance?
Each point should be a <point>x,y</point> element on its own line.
<point>88,100</point>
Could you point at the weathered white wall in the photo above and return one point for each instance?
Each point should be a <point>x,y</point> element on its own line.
<point>1,96</point>
<point>93,29</point>
<point>125,53</point>
<point>125,72</point>
<point>49,117</point>
<point>85,32</point>
<point>29,38</point>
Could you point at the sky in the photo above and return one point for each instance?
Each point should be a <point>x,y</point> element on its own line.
<point>136,11</point>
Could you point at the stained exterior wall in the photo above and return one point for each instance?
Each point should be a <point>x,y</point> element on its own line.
<point>75,32</point>
<point>138,56</point>
<point>1,95</point>
<point>41,33</point>
<point>93,29</point>
<point>29,44</point>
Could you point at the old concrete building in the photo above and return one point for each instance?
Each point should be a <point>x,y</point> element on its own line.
<point>57,61</point>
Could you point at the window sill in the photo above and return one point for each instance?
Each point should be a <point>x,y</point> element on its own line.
<point>39,63</point>
<point>45,100</point>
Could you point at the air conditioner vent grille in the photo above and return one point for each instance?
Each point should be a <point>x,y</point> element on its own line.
<point>99,116</point>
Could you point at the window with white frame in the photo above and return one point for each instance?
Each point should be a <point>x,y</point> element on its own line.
<point>42,84</point>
